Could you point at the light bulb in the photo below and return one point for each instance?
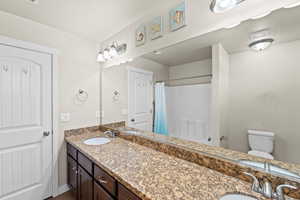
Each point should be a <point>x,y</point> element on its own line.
<point>100,57</point>
<point>113,51</point>
<point>106,54</point>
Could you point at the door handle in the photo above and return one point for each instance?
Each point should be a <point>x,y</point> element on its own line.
<point>132,120</point>
<point>46,133</point>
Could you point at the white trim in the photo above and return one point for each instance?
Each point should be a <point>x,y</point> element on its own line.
<point>133,69</point>
<point>55,106</point>
<point>27,45</point>
<point>62,189</point>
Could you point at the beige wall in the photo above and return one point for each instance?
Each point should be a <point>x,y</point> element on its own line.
<point>200,20</point>
<point>77,69</point>
<point>115,79</point>
<point>264,95</point>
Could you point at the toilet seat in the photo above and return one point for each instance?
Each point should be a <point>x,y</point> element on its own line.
<point>261,154</point>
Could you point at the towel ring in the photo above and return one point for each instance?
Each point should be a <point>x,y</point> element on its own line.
<point>82,95</point>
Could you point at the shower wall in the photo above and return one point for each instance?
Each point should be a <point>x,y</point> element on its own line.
<point>188,110</point>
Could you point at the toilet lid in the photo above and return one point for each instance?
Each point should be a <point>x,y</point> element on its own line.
<point>261,154</point>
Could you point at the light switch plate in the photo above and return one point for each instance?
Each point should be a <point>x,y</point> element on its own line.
<point>64,117</point>
<point>124,111</point>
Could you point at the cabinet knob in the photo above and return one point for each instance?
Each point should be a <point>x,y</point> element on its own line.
<point>132,120</point>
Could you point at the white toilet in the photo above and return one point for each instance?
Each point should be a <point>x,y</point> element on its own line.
<point>261,143</point>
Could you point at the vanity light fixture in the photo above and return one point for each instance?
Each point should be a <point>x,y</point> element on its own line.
<point>261,40</point>
<point>219,6</point>
<point>111,52</point>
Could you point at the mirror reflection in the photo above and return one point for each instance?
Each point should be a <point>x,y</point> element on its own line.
<point>237,88</point>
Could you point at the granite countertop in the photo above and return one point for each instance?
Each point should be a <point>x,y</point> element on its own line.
<point>212,150</point>
<point>153,175</point>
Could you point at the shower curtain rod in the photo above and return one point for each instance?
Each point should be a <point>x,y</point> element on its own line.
<point>186,78</point>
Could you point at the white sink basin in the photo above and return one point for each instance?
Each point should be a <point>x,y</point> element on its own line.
<point>96,141</point>
<point>237,197</point>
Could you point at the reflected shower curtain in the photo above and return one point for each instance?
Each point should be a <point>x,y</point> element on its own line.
<point>160,118</point>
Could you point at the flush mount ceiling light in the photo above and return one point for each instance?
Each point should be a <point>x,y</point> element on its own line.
<point>262,44</point>
<point>261,40</point>
<point>218,6</point>
<point>111,52</point>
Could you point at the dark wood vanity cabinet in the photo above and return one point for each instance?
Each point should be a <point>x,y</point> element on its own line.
<point>85,185</point>
<point>90,182</point>
<point>100,193</point>
<point>72,175</point>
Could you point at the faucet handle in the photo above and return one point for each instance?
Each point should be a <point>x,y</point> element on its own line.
<point>279,190</point>
<point>255,185</point>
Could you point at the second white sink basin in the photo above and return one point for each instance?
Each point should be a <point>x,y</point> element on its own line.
<point>237,197</point>
<point>96,141</point>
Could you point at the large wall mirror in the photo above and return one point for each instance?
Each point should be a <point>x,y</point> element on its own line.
<point>237,88</point>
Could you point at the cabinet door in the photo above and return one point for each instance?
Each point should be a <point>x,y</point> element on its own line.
<point>72,175</point>
<point>85,185</point>
<point>125,194</point>
<point>100,193</point>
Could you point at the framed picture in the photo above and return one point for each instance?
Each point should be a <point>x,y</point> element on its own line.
<point>178,16</point>
<point>140,35</point>
<point>156,28</point>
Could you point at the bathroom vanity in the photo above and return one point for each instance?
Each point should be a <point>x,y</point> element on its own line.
<point>129,167</point>
<point>88,181</point>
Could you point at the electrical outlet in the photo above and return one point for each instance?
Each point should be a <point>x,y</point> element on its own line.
<point>64,117</point>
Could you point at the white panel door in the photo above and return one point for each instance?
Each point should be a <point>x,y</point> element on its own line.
<point>140,98</point>
<point>25,114</point>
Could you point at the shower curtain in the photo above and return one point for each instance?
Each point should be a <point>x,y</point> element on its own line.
<point>160,118</point>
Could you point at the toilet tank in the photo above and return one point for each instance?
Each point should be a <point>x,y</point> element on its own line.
<point>261,141</point>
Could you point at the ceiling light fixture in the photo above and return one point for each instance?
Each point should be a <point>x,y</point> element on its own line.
<point>219,6</point>
<point>293,5</point>
<point>262,44</point>
<point>111,52</point>
<point>261,40</point>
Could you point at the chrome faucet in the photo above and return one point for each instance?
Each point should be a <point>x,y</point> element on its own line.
<point>111,134</point>
<point>266,188</point>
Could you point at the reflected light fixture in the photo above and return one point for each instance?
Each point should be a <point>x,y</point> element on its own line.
<point>261,40</point>
<point>219,6</point>
<point>111,52</point>
<point>262,44</point>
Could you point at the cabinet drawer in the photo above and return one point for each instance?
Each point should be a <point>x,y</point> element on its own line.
<point>105,180</point>
<point>85,163</point>
<point>125,194</point>
<point>72,151</point>
<point>100,193</point>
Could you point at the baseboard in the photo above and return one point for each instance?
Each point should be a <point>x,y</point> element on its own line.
<point>62,189</point>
